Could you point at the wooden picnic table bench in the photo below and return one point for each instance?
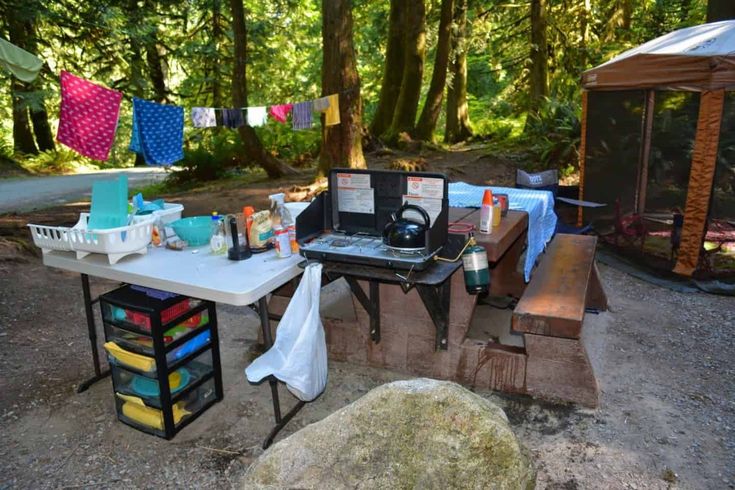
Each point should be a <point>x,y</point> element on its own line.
<point>550,314</point>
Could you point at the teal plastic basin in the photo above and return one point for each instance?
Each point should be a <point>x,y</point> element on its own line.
<point>196,230</point>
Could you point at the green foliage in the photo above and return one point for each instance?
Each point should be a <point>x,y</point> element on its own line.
<point>109,42</point>
<point>209,160</point>
<point>554,134</point>
<point>297,147</point>
<point>59,161</point>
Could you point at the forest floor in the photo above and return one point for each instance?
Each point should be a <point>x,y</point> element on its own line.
<point>664,361</point>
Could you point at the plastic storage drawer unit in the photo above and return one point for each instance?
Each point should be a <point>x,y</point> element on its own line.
<point>163,351</point>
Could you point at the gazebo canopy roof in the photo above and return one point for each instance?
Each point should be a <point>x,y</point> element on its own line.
<point>697,58</point>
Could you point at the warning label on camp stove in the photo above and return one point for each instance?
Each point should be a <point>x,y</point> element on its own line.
<point>432,207</point>
<point>432,188</point>
<point>356,201</point>
<point>353,181</point>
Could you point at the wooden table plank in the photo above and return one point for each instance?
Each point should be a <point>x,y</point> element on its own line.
<point>503,236</point>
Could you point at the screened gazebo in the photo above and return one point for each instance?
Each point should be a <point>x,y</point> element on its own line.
<point>658,147</point>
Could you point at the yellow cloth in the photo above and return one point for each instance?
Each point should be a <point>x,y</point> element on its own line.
<point>332,113</point>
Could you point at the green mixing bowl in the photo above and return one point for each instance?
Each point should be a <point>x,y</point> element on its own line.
<point>196,230</point>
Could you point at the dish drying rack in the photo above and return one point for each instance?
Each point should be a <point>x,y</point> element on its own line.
<point>116,243</point>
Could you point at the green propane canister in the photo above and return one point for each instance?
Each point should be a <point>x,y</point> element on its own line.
<point>476,272</point>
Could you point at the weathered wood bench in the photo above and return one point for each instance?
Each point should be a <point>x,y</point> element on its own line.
<point>550,314</point>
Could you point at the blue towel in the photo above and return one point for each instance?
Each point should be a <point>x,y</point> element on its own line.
<point>538,204</point>
<point>158,132</point>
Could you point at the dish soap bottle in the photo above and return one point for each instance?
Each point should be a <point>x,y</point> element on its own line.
<point>217,243</point>
<point>281,216</point>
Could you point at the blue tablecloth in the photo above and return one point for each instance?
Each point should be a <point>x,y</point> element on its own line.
<point>538,204</point>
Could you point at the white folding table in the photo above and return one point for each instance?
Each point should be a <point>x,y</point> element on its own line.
<point>191,272</point>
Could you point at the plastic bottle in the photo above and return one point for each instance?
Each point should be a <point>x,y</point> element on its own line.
<point>217,243</point>
<point>280,215</point>
<point>486,212</point>
<point>496,212</point>
<point>247,213</point>
<point>280,235</point>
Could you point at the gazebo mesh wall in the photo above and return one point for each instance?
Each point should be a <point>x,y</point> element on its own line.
<point>613,155</point>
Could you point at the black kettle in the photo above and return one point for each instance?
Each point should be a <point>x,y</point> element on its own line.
<point>404,234</point>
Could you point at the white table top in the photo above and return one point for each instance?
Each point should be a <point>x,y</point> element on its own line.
<point>200,275</point>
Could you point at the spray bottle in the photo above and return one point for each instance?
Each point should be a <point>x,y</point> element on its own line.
<point>486,212</point>
<point>280,216</point>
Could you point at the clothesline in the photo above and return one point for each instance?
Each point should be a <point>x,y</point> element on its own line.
<point>89,117</point>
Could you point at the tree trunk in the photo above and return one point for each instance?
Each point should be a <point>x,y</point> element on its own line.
<point>627,15</point>
<point>136,62</point>
<point>42,129</point>
<point>539,84</point>
<point>215,61</point>
<point>39,116</point>
<point>584,21</point>
<point>458,116</point>
<point>341,143</point>
<point>720,10</point>
<point>392,72</point>
<point>253,147</point>
<point>22,136</point>
<point>414,42</point>
<point>155,68</point>
<point>433,105</point>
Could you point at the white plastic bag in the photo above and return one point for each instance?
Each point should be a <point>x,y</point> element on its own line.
<point>299,354</point>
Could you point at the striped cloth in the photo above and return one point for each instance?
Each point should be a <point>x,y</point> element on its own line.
<point>301,115</point>
<point>538,204</point>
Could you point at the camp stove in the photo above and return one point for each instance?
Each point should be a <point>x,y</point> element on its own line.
<point>345,224</point>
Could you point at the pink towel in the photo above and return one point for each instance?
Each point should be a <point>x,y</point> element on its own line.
<point>280,112</point>
<point>88,118</point>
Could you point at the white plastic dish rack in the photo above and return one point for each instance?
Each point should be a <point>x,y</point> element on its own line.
<point>116,243</point>
<point>170,212</point>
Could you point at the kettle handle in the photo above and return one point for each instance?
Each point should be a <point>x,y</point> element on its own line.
<point>418,209</point>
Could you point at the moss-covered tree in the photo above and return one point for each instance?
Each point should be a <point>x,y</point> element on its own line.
<point>414,50</point>
<point>435,96</point>
<point>458,126</point>
<point>341,143</point>
<point>392,70</point>
<point>252,145</point>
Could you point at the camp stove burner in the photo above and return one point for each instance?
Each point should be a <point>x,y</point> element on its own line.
<point>364,249</point>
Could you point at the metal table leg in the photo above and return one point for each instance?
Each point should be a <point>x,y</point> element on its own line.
<point>268,339</point>
<point>92,329</point>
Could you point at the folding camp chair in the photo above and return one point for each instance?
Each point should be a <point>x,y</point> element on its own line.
<point>630,227</point>
<point>548,180</point>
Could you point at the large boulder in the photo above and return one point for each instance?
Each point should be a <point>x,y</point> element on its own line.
<point>420,433</point>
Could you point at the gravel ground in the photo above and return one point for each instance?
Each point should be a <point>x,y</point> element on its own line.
<point>663,359</point>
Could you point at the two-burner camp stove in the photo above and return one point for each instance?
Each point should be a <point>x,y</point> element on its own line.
<point>346,223</point>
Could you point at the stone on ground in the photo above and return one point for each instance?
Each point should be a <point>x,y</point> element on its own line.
<point>420,433</point>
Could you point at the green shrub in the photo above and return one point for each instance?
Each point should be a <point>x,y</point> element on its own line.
<point>554,133</point>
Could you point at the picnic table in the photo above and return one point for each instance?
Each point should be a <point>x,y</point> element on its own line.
<point>399,326</point>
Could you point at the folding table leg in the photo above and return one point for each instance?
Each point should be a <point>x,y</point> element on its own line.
<point>92,329</point>
<point>268,339</point>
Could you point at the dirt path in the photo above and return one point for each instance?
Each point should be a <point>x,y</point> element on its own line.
<point>664,361</point>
